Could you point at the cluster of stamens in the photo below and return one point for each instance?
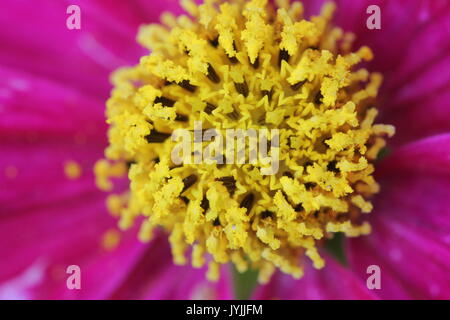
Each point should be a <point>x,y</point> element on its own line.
<point>246,65</point>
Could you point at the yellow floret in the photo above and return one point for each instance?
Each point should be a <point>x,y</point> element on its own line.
<point>256,65</point>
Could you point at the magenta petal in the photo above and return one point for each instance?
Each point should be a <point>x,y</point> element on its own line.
<point>414,262</point>
<point>432,37</point>
<point>33,108</point>
<point>102,271</point>
<point>361,256</point>
<point>63,229</point>
<point>404,28</point>
<point>42,44</point>
<point>151,10</point>
<point>420,108</point>
<point>411,227</point>
<point>37,247</point>
<point>413,52</point>
<point>420,118</point>
<point>332,282</point>
<point>420,202</point>
<point>39,179</point>
<point>426,155</point>
<point>156,277</point>
<point>43,125</point>
<point>179,283</point>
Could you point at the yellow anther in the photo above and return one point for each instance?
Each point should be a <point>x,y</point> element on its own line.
<point>213,271</point>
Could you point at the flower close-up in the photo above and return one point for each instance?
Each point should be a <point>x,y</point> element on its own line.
<point>225,149</point>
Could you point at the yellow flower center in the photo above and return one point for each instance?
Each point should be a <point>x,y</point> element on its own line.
<point>246,65</point>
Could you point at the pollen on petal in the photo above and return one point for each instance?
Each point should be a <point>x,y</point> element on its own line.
<point>111,239</point>
<point>72,170</point>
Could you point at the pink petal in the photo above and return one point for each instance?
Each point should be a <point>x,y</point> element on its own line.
<point>65,228</point>
<point>43,125</point>
<point>412,50</point>
<point>411,224</point>
<point>422,101</point>
<point>151,10</point>
<point>427,50</point>
<point>361,256</point>
<point>180,283</point>
<point>414,262</point>
<point>155,277</point>
<point>405,27</point>
<point>426,155</point>
<point>332,282</point>
<point>420,118</point>
<point>39,179</point>
<point>33,107</point>
<point>102,271</point>
<point>42,44</point>
<point>40,244</point>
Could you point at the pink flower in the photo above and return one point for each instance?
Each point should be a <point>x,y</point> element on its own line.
<point>53,85</point>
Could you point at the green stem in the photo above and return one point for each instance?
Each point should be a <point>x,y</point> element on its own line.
<point>244,283</point>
